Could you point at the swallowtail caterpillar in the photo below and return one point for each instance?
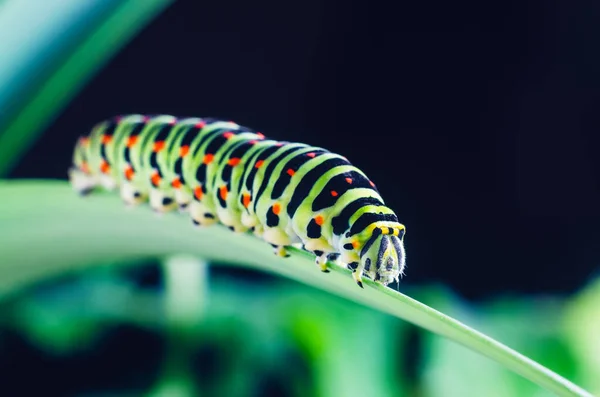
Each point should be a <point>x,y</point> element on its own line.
<point>218,171</point>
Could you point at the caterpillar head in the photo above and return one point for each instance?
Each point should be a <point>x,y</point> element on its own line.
<point>382,257</point>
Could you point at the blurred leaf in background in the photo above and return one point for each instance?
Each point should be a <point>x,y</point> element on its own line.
<point>292,340</point>
<point>582,332</point>
<point>50,49</point>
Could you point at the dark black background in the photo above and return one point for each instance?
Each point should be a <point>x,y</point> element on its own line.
<point>477,120</point>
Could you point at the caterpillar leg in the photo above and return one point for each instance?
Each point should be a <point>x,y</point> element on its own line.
<point>234,227</point>
<point>160,202</point>
<point>131,195</point>
<point>321,249</point>
<point>201,214</point>
<point>299,246</point>
<point>238,228</point>
<point>318,244</point>
<point>183,199</point>
<point>321,260</point>
<point>277,239</point>
<point>352,266</point>
<point>250,221</point>
<point>357,273</point>
<point>279,250</point>
<point>257,230</point>
<point>82,183</point>
<point>276,236</point>
<point>108,182</point>
<point>231,220</point>
<point>335,258</point>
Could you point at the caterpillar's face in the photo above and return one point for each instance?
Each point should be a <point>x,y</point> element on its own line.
<point>383,260</point>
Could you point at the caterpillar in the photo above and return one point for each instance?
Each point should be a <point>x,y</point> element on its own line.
<point>288,194</point>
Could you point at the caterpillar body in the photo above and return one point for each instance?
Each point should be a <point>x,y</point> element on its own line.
<point>218,171</point>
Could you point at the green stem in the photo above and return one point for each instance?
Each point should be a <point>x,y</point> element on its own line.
<point>46,229</point>
<point>185,301</point>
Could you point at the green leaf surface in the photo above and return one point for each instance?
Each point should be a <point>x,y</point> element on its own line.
<point>50,49</point>
<point>46,230</point>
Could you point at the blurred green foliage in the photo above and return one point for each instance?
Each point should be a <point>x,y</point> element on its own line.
<point>281,337</point>
<point>50,49</point>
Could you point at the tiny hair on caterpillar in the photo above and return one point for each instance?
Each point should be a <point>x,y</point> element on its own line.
<point>286,193</point>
